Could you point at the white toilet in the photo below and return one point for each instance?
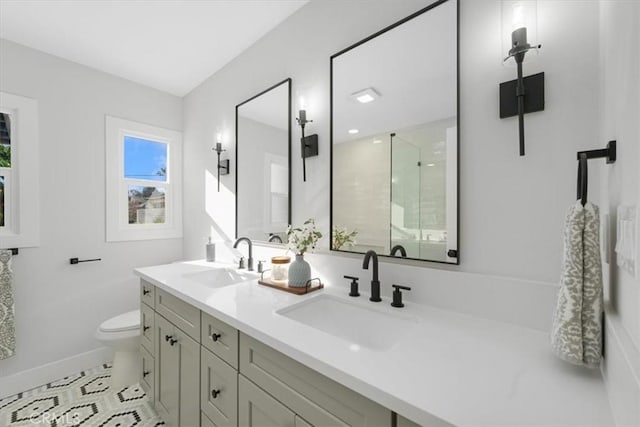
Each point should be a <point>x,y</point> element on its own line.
<point>122,333</point>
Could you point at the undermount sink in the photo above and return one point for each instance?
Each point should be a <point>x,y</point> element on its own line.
<point>221,276</point>
<point>371,327</point>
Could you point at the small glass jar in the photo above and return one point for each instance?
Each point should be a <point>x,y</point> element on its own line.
<point>280,268</point>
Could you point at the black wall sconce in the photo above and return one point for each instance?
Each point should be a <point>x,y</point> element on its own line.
<point>308,144</point>
<point>525,94</point>
<point>223,165</point>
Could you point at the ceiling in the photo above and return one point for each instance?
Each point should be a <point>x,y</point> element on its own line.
<point>170,45</point>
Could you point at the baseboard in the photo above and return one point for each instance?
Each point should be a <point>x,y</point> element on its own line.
<point>35,377</point>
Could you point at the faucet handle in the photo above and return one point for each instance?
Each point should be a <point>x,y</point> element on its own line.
<point>241,263</point>
<point>354,286</point>
<point>397,295</point>
<point>261,265</point>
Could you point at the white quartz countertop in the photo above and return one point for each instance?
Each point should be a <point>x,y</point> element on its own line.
<point>464,370</point>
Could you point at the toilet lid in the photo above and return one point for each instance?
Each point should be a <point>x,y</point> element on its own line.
<point>123,322</point>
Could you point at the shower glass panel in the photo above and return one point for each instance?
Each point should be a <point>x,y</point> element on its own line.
<point>422,158</point>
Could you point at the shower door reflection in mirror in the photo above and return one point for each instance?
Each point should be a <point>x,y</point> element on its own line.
<point>263,151</point>
<point>394,136</point>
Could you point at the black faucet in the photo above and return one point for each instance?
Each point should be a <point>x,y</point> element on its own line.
<point>250,260</point>
<point>396,248</point>
<point>375,283</point>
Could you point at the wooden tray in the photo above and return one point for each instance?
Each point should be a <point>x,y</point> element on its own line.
<point>283,286</point>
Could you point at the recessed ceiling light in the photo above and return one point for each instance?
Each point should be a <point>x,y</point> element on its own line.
<point>353,131</point>
<point>377,141</point>
<point>366,95</point>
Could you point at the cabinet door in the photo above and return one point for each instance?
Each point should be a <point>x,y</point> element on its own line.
<point>177,375</point>
<point>218,390</point>
<point>147,374</point>
<point>257,409</point>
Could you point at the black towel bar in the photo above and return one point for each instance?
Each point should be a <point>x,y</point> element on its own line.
<point>583,176</point>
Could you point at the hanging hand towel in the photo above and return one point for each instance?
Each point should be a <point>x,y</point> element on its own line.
<point>7,328</point>
<point>576,335</point>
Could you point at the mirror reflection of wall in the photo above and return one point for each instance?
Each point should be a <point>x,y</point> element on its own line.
<point>263,139</point>
<point>394,139</point>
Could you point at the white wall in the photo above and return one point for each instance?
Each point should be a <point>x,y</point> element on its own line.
<point>58,306</point>
<point>512,208</point>
<point>620,113</point>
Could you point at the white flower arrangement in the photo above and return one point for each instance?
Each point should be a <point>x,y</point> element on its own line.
<point>303,239</point>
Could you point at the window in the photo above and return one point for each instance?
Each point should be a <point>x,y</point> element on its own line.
<point>144,199</point>
<point>18,171</point>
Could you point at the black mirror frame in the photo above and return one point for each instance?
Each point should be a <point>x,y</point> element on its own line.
<point>288,81</point>
<point>456,252</point>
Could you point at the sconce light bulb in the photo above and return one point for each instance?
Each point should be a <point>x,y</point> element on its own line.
<point>302,104</point>
<point>218,137</point>
<point>518,20</point>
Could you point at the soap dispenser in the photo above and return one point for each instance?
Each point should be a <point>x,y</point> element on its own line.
<point>211,251</point>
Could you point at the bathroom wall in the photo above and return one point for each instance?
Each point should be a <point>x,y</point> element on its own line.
<point>58,306</point>
<point>619,110</point>
<point>512,208</point>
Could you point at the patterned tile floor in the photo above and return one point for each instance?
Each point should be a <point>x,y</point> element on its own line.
<point>84,399</point>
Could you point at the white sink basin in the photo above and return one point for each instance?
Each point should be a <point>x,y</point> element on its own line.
<point>376,328</point>
<point>220,276</point>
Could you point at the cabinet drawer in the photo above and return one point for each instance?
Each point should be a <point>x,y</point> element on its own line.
<point>183,315</point>
<point>314,397</point>
<point>218,390</point>
<point>147,326</point>
<point>220,338</point>
<point>147,293</point>
<point>148,374</point>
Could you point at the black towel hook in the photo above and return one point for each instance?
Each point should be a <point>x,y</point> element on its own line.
<point>610,153</point>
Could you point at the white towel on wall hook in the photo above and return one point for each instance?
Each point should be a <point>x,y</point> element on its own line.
<point>576,334</point>
<point>7,325</point>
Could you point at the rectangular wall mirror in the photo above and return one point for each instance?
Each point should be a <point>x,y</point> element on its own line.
<point>394,139</point>
<point>263,165</point>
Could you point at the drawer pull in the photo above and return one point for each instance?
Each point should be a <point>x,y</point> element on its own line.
<point>215,337</point>
<point>146,328</point>
<point>215,393</point>
<point>145,291</point>
<point>172,341</point>
<point>167,337</point>
<point>145,373</point>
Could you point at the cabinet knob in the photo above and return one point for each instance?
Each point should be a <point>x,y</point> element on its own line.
<point>145,291</point>
<point>215,336</point>
<point>215,393</point>
<point>146,328</point>
<point>172,341</point>
<point>167,337</point>
<point>145,373</point>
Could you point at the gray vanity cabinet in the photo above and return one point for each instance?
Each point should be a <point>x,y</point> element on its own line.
<point>177,382</point>
<point>147,343</point>
<point>257,408</point>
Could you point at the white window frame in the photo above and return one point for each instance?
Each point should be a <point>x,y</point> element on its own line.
<point>117,186</point>
<point>22,222</point>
